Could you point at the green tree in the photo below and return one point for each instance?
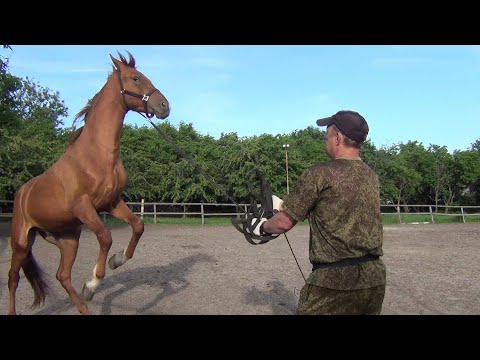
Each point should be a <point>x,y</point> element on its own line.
<point>417,159</point>
<point>475,187</point>
<point>466,174</point>
<point>9,84</point>
<point>399,180</point>
<point>30,137</point>
<point>441,174</point>
<point>37,103</point>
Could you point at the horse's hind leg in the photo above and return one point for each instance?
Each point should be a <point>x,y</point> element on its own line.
<point>121,211</point>
<point>21,241</point>
<point>68,245</point>
<point>22,237</point>
<point>87,214</point>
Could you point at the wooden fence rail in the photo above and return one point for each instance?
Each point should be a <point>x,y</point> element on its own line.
<point>433,211</point>
<point>203,210</point>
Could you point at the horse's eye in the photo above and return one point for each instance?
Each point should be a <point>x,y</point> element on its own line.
<point>136,79</point>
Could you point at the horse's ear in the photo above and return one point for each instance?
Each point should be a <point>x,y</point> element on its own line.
<point>115,62</point>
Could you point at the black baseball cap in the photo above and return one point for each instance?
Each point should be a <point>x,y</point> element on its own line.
<point>350,123</point>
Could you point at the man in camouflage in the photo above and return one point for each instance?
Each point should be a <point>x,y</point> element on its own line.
<point>341,200</point>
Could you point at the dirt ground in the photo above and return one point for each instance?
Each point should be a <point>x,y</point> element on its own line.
<point>431,269</point>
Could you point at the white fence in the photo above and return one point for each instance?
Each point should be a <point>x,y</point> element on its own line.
<point>432,211</point>
<point>204,210</point>
<point>157,209</point>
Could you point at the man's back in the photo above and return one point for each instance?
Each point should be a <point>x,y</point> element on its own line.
<point>347,213</point>
<point>341,200</point>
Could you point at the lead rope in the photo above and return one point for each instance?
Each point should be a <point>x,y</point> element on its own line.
<point>180,152</point>
<point>299,268</point>
<point>209,178</point>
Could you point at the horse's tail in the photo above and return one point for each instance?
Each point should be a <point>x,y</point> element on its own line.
<point>35,277</point>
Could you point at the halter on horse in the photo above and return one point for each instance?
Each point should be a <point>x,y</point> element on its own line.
<point>88,178</point>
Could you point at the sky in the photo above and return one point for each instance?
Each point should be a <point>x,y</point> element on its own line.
<point>424,93</point>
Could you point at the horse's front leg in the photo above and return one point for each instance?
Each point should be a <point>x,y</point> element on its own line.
<point>84,210</point>
<point>121,211</point>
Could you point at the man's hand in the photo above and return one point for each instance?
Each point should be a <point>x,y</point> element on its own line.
<point>256,230</point>
<point>277,203</point>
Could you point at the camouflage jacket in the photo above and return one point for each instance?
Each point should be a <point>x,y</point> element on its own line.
<point>341,199</point>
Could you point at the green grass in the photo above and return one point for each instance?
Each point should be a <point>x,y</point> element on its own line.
<point>225,220</point>
<point>209,220</point>
<point>437,219</point>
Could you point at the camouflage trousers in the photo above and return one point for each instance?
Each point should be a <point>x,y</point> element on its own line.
<point>316,300</point>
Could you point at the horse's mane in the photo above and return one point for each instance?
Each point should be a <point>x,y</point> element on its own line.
<point>91,102</point>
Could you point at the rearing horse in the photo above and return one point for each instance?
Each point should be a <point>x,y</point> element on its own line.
<point>88,178</point>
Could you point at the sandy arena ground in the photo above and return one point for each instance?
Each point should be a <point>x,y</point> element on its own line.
<point>431,269</point>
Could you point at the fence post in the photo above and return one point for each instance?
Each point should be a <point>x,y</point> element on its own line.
<point>431,213</point>
<point>142,207</point>
<point>203,216</point>
<point>463,217</point>
<point>245,207</point>
<point>155,213</point>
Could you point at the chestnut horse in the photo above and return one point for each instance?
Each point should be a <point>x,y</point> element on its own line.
<point>88,178</point>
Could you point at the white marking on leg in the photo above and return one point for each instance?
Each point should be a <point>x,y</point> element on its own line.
<point>93,284</point>
<point>124,258</point>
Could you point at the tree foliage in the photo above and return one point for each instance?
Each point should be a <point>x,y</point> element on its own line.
<point>178,164</point>
<point>30,136</point>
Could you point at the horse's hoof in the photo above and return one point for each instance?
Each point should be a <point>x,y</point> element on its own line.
<point>111,263</point>
<point>87,293</point>
<point>117,260</point>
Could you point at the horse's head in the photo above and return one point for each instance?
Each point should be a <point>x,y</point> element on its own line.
<point>139,94</point>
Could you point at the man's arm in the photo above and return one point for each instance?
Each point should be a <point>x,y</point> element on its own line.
<point>280,223</point>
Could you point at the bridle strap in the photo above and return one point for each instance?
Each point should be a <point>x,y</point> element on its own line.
<point>144,98</point>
